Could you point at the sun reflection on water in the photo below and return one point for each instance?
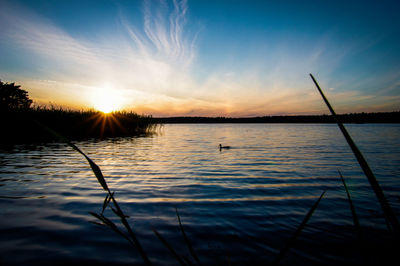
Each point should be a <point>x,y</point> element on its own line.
<point>263,185</point>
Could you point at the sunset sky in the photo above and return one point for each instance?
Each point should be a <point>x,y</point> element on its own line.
<point>204,58</point>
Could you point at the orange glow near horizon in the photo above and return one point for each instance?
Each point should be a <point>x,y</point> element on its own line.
<point>106,122</point>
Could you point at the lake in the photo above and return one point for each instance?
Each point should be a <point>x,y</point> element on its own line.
<point>238,205</point>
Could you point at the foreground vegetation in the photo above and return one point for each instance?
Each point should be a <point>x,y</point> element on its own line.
<point>22,122</point>
<point>125,230</point>
<point>21,125</point>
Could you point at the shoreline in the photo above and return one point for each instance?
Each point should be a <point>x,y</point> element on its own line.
<point>354,118</point>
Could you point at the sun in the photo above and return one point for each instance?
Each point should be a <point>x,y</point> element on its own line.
<point>106,99</point>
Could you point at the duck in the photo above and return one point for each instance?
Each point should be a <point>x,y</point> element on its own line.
<point>223,147</point>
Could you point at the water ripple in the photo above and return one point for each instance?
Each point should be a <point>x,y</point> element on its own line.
<point>247,200</point>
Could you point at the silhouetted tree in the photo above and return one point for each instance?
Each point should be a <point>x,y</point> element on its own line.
<point>12,97</point>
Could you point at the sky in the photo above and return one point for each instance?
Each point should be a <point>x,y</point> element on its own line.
<point>228,58</point>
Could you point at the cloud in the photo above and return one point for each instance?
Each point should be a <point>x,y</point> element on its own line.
<point>42,37</point>
<point>153,65</point>
<point>163,36</point>
<point>154,60</point>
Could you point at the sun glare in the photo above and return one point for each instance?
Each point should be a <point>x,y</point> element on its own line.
<point>106,100</point>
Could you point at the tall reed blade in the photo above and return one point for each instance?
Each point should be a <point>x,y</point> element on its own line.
<point>95,168</point>
<point>389,214</point>
<point>132,235</point>
<point>353,210</point>
<point>100,178</point>
<point>291,240</point>
<point>110,224</point>
<point>169,247</point>
<point>188,244</point>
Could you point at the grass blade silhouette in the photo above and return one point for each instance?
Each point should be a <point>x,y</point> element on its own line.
<point>291,240</point>
<point>387,210</point>
<point>353,210</point>
<point>107,222</point>
<point>100,178</point>
<point>106,202</point>
<point>188,244</point>
<point>169,247</point>
<point>95,168</point>
<point>129,229</point>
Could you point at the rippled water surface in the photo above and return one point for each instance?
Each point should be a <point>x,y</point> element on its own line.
<point>238,205</point>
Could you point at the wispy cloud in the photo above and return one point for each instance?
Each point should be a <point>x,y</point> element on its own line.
<point>154,59</point>
<point>163,36</point>
<point>152,65</point>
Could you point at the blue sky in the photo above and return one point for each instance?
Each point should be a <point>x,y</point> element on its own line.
<point>208,58</point>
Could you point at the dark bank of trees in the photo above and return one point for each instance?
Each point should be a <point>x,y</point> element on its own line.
<point>21,122</point>
<point>13,97</point>
<point>384,117</point>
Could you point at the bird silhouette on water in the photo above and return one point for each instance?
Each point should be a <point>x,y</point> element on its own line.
<point>223,147</point>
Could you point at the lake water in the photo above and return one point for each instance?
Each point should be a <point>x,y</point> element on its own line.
<point>237,206</point>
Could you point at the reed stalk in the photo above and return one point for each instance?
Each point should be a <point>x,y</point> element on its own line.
<point>353,210</point>
<point>188,244</point>
<point>169,247</point>
<point>181,260</point>
<point>292,240</point>
<point>131,237</point>
<point>387,210</point>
